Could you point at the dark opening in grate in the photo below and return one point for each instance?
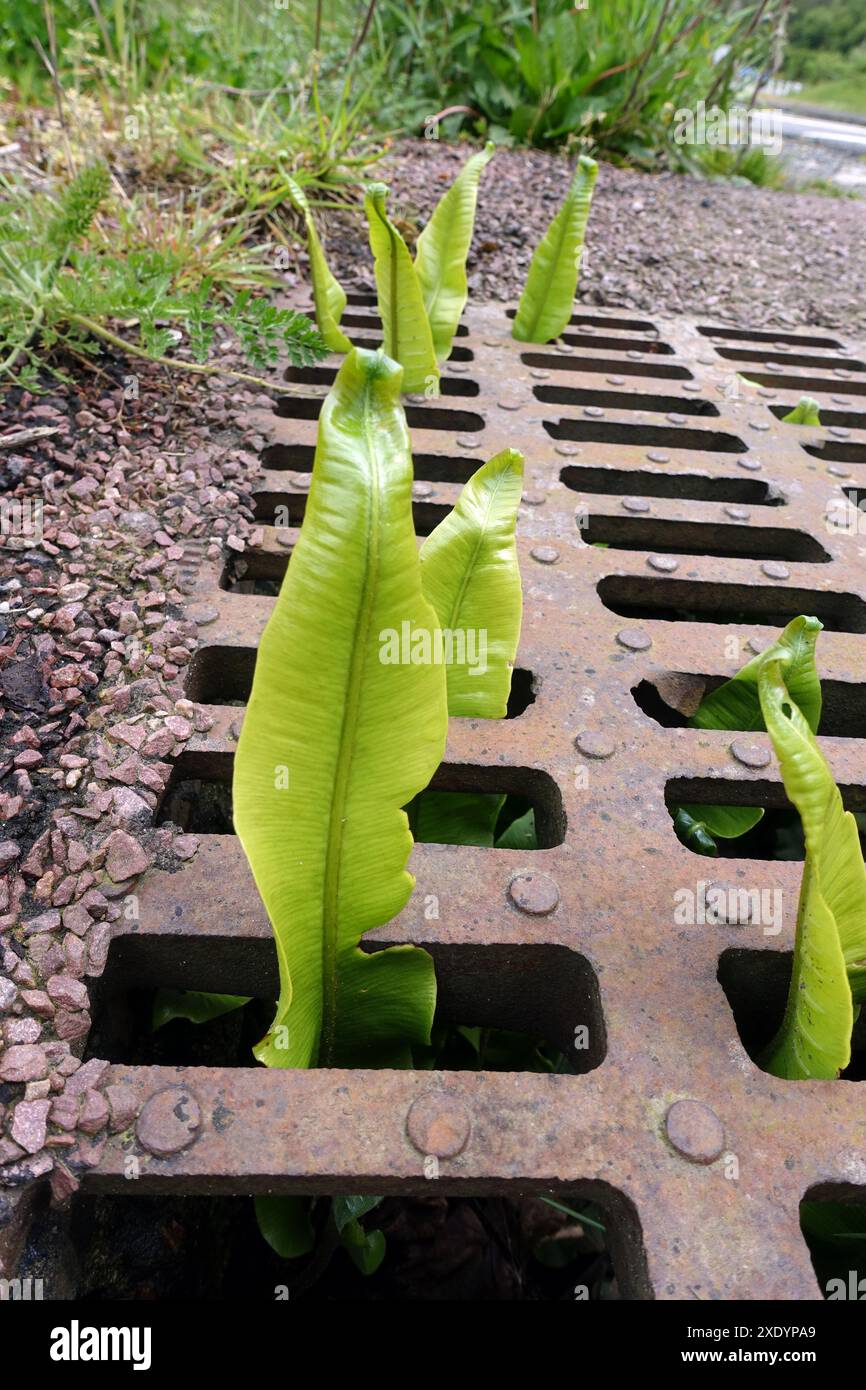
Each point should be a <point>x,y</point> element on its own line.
<point>198,794</point>
<point>622,400</point>
<point>223,675</point>
<point>650,436</point>
<point>756,983</point>
<point>564,998</point>
<point>843,711</point>
<point>699,601</point>
<point>697,487</point>
<point>766,336</point>
<point>325,376</point>
<point>428,417</point>
<point>571,362</point>
<point>700,538</point>
<point>288,508</point>
<point>848,419</point>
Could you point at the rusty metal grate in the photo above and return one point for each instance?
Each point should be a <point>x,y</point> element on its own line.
<point>710,515</point>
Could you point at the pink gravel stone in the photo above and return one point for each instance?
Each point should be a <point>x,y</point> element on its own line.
<point>21,1030</point>
<point>77,919</point>
<point>71,1025</point>
<point>68,992</point>
<point>87,1077</point>
<point>24,1062</point>
<point>94,1113</point>
<point>30,1124</point>
<point>125,858</point>
<point>123,1104</point>
<point>64,1111</point>
<point>158,745</point>
<point>38,1002</point>
<point>63,1183</point>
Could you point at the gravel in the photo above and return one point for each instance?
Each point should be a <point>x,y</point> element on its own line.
<point>94,646</point>
<point>660,243</point>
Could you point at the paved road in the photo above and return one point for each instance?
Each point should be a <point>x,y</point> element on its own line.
<point>841,134</point>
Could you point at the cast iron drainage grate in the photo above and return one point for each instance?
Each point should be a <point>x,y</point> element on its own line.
<point>699,1158</point>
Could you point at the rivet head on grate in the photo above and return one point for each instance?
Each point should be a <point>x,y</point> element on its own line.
<point>706,361</point>
<point>841,400</point>
<point>840,432</point>
<point>767,393</point>
<point>438,1124</point>
<point>665,563</point>
<point>492,342</point>
<point>758,644</point>
<point>737,513</point>
<point>533,499</point>
<point>658,456</point>
<point>774,569</point>
<point>422,489</point>
<point>467,441</point>
<point>169,1121</point>
<point>692,386</point>
<point>534,893</point>
<point>634,638</point>
<point>458,367</point>
<point>750,465</point>
<point>775,367</point>
<point>539,374</point>
<point>695,1131</point>
<point>615,380</point>
<point>759,424</point>
<point>841,371</point>
<point>284,539</point>
<point>567,450</point>
<point>677,419</point>
<point>727,905</point>
<point>634,355</point>
<point>203,613</point>
<point>749,754</point>
<point>595,412</point>
<point>545,554</point>
<point>302,481</point>
<point>837,471</point>
<point>635,504</point>
<point>594,745</point>
<point>509,405</point>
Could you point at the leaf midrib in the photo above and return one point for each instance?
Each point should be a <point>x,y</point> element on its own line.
<point>348,738</point>
<point>469,570</point>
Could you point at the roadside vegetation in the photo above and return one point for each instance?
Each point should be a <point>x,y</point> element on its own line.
<point>222,128</point>
<point>827,53</point>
